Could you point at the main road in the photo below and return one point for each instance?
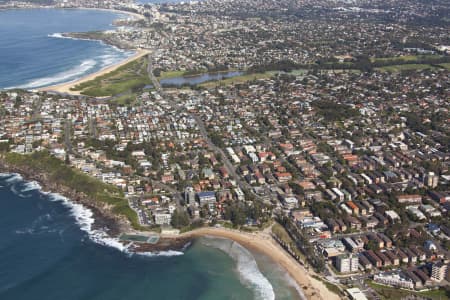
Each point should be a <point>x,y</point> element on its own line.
<point>201,126</point>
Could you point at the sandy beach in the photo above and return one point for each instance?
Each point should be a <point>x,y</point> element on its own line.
<point>263,242</point>
<point>64,88</point>
<point>132,14</point>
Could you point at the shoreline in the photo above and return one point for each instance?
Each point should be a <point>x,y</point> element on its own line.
<point>136,15</point>
<point>264,243</point>
<point>114,225</point>
<point>104,219</point>
<point>65,88</point>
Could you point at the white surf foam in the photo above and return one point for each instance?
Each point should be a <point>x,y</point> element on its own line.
<point>109,59</point>
<point>246,266</point>
<point>5,175</point>
<point>160,253</point>
<point>59,35</point>
<point>56,35</point>
<point>84,218</point>
<point>31,186</point>
<point>13,178</point>
<point>71,74</point>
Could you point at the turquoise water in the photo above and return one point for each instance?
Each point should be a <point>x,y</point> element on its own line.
<point>49,250</point>
<point>33,53</point>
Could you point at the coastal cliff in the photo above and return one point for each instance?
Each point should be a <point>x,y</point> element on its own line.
<point>100,36</point>
<point>105,218</point>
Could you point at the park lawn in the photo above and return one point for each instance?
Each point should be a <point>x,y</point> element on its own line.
<point>237,79</point>
<point>127,99</point>
<point>354,71</point>
<point>406,67</point>
<point>131,76</point>
<point>445,65</point>
<point>116,88</point>
<point>408,58</point>
<point>170,74</point>
<point>388,293</point>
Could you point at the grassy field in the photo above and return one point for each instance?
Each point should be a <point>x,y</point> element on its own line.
<point>170,74</point>
<point>127,99</point>
<point>389,293</point>
<point>126,78</point>
<point>445,65</point>
<point>408,58</point>
<point>238,79</point>
<point>64,175</point>
<point>408,67</point>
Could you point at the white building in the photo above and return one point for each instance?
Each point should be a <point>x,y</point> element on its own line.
<point>162,217</point>
<point>347,263</point>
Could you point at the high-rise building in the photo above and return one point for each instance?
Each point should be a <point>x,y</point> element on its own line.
<point>431,180</point>
<point>189,196</point>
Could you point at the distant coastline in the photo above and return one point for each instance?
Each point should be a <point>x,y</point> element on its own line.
<point>136,15</point>
<point>64,87</point>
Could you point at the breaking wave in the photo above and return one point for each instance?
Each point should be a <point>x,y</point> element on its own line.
<point>13,178</point>
<point>84,217</point>
<point>59,35</point>
<point>160,253</point>
<point>246,266</point>
<point>76,72</point>
<point>31,186</point>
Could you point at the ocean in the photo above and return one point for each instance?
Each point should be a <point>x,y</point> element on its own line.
<point>49,250</point>
<point>34,54</point>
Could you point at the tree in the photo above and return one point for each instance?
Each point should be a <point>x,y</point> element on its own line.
<point>236,214</point>
<point>372,245</point>
<point>180,218</point>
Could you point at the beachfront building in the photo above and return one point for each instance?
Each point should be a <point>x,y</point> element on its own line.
<point>206,198</point>
<point>162,217</point>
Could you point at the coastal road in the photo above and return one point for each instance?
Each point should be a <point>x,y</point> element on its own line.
<point>152,76</point>
<point>228,165</point>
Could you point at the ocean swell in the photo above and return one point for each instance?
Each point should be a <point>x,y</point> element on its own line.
<point>246,267</point>
<point>72,74</point>
<point>84,217</point>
